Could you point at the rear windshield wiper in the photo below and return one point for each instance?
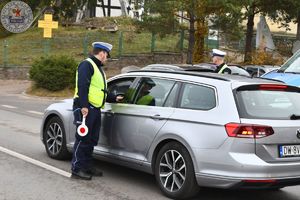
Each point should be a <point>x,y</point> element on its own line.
<point>291,72</point>
<point>294,117</point>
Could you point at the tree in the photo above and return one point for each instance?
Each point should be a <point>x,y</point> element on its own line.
<point>64,10</point>
<point>289,11</point>
<point>163,16</point>
<point>265,7</point>
<point>3,31</point>
<point>72,10</point>
<point>223,16</point>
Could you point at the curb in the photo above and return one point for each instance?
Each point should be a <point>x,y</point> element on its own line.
<point>44,98</point>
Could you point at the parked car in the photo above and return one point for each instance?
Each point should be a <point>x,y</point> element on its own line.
<point>205,129</point>
<point>259,70</point>
<point>168,67</point>
<point>201,67</point>
<point>289,72</point>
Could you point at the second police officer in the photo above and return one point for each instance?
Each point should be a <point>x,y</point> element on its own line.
<point>218,59</point>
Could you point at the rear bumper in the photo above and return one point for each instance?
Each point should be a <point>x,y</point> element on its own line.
<point>239,183</point>
<point>244,170</point>
<point>265,184</point>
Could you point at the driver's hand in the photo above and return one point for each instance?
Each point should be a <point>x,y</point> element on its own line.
<point>119,98</point>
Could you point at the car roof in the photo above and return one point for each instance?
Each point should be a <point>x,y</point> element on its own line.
<point>211,77</point>
<point>201,67</point>
<point>168,67</point>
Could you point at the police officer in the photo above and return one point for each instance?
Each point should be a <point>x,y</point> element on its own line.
<point>89,98</point>
<point>218,59</point>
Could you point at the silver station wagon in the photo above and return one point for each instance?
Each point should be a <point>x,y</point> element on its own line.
<point>193,129</point>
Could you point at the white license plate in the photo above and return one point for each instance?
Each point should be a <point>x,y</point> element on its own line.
<point>289,150</point>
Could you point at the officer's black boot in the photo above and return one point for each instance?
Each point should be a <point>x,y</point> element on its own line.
<point>94,172</point>
<point>81,175</point>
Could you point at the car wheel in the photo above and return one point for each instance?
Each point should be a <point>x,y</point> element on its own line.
<point>55,139</point>
<point>174,171</point>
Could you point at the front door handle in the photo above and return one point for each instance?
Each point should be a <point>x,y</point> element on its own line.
<point>157,117</point>
<point>109,112</point>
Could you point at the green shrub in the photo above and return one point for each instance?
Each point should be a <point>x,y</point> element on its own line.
<point>3,32</point>
<point>54,72</point>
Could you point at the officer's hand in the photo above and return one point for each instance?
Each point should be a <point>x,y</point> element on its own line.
<point>84,111</point>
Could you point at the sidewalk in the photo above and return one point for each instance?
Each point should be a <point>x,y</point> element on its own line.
<point>13,86</point>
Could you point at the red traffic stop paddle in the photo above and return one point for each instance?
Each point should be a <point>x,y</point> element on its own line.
<point>82,130</point>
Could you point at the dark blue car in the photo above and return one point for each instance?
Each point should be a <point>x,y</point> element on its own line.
<point>289,72</point>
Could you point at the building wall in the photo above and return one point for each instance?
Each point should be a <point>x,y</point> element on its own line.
<point>274,26</point>
<point>114,8</point>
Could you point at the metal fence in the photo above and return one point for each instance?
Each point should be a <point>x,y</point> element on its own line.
<point>23,53</point>
<point>283,44</point>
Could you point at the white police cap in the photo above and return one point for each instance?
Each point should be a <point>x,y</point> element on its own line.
<point>217,52</point>
<point>102,45</point>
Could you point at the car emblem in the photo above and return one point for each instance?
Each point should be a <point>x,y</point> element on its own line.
<point>298,133</point>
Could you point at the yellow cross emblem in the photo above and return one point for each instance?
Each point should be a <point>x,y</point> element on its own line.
<point>47,24</point>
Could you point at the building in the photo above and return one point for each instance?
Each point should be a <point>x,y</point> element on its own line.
<point>114,8</point>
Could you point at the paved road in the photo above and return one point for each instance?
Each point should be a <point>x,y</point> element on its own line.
<point>19,180</point>
<point>20,119</point>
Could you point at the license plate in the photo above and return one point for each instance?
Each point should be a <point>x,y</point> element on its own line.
<point>289,150</point>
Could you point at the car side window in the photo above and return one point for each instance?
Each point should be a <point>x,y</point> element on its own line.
<point>119,87</point>
<point>172,97</point>
<point>153,92</point>
<point>198,97</point>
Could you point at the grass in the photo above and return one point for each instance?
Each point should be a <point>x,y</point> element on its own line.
<point>23,48</point>
<point>41,92</point>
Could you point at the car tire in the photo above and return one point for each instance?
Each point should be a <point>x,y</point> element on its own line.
<point>275,189</point>
<point>54,138</point>
<point>175,179</point>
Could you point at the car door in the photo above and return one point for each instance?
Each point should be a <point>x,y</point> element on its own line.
<point>136,124</point>
<point>115,87</point>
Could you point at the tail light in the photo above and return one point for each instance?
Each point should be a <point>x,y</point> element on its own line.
<point>272,87</point>
<point>248,130</point>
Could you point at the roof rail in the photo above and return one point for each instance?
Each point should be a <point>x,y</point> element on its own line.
<point>184,73</point>
<point>270,79</point>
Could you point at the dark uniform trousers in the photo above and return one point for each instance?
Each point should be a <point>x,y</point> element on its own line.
<point>84,146</point>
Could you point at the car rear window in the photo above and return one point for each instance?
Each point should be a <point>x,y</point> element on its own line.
<point>268,103</point>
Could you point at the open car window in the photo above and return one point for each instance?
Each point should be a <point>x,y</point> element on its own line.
<point>119,87</point>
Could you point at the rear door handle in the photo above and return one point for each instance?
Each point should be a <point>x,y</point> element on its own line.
<point>157,117</point>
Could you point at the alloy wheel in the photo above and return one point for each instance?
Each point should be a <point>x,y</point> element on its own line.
<point>54,138</point>
<point>172,170</point>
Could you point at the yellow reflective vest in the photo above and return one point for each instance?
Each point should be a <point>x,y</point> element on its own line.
<point>222,69</point>
<point>145,100</point>
<point>97,94</point>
